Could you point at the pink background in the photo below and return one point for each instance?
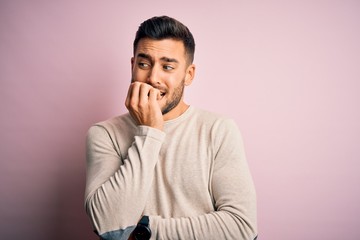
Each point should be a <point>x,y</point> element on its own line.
<point>287,71</point>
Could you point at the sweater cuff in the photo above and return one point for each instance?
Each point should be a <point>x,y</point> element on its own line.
<point>153,224</point>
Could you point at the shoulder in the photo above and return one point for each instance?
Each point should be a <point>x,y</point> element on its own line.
<point>114,125</point>
<point>220,127</point>
<point>121,120</point>
<point>215,120</point>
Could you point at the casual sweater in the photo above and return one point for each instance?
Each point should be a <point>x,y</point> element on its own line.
<point>191,179</point>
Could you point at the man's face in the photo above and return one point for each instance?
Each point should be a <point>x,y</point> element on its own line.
<point>163,65</point>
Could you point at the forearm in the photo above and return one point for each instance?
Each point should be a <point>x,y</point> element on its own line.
<point>116,193</point>
<point>216,225</point>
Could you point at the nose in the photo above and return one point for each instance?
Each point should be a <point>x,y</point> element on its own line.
<point>153,77</point>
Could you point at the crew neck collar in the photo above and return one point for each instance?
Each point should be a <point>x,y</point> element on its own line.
<point>184,115</point>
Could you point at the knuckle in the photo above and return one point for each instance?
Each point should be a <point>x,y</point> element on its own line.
<point>141,105</point>
<point>134,86</point>
<point>132,103</point>
<point>145,86</point>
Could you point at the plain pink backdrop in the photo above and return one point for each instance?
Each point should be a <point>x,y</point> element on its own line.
<point>287,71</point>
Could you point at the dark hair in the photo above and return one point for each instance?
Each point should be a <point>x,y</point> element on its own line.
<point>164,27</point>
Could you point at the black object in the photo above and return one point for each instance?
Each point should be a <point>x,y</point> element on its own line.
<point>142,230</point>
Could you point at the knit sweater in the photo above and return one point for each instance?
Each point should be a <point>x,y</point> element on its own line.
<point>191,179</point>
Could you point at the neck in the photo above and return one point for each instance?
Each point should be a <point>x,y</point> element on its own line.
<point>176,112</point>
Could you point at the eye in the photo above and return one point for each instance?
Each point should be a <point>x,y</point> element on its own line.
<point>143,65</point>
<point>168,67</point>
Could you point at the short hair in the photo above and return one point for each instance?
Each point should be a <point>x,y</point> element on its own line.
<point>164,27</point>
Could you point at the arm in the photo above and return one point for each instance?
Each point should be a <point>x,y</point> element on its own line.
<point>233,192</point>
<point>116,193</point>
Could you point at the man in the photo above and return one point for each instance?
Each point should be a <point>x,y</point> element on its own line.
<point>167,170</point>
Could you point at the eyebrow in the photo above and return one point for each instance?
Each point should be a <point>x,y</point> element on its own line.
<point>144,55</point>
<point>164,59</point>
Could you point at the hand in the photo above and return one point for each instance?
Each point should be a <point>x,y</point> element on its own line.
<point>143,106</point>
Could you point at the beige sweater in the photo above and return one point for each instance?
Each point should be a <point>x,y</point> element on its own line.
<point>191,179</point>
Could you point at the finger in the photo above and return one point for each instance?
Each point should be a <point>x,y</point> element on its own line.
<point>144,93</point>
<point>153,95</point>
<point>127,100</point>
<point>133,95</point>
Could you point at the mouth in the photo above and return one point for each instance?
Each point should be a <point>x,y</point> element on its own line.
<point>161,95</point>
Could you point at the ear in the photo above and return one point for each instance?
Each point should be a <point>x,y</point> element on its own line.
<point>132,63</point>
<point>190,74</point>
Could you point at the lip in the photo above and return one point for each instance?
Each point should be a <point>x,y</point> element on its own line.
<point>162,94</point>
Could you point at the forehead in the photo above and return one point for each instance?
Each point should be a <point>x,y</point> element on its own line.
<point>157,49</point>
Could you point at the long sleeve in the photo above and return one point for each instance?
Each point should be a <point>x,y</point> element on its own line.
<point>116,188</point>
<point>192,180</point>
<point>233,193</point>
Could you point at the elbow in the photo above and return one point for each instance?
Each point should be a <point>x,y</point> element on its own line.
<point>251,232</point>
<point>248,228</point>
<point>245,225</point>
<point>92,211</point>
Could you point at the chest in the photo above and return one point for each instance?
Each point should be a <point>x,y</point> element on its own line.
<point>182,178</point>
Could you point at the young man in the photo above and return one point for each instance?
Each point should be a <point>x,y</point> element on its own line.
<point>167,170</point>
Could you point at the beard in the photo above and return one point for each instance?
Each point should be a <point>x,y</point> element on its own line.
<point>174,100</point>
